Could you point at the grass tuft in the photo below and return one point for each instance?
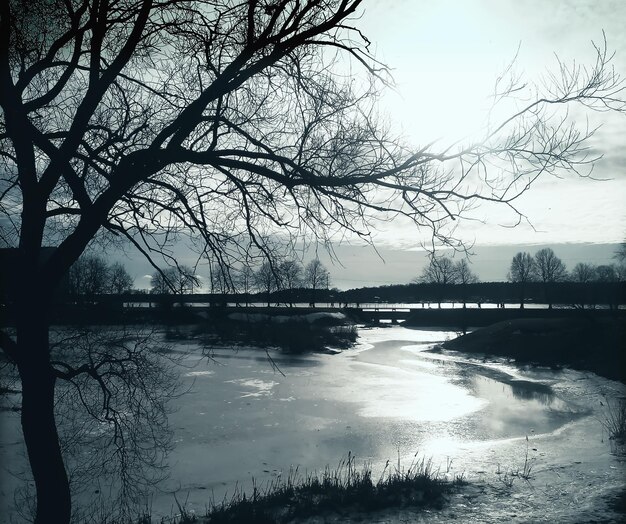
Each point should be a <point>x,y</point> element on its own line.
<point>614,418</point>
<point>507,476</point>
<point>335,490</point>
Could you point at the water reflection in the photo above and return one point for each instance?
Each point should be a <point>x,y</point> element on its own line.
<point>508,391</point>
<point>528,390</point>
<point>414,396</point>
<point>518,407</point>
<point>466,400</point>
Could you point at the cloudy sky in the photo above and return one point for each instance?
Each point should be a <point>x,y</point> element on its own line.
<point>445,57</point>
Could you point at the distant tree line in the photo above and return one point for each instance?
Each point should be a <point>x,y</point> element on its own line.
<point>536,277</point>
<point>285,281</point>
<point>91,275</point>
<point>442,271</point>
<point>565,293</point>
<point>542,277</point>
<point>546,268</point>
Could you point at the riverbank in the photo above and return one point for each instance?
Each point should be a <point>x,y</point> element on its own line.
<point>384,399</point>
<point>586,343</point>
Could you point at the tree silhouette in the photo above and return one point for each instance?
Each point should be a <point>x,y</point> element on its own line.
<point>159,282</point>
<point>464,276</point>
<point>180,280</point>
<point>549,269</point>
<point>224,120</point>
<point>440,272</point>
<point>221,281</point>
<point>266,280</point>
<point>583,273</point>
<point>316,276</point>
<point>119,279</point>
<point>290,277</point>
<point>523,270</point>
<point>245,281</point>
<point>89,276</point>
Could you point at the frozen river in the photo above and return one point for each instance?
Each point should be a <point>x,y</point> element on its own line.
<point>241,419</point>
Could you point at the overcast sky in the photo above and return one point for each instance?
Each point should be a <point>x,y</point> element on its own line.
<point>445,56</point>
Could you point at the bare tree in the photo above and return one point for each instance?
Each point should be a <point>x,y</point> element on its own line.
<point>180,280</point>
<point>119,279</point>
<point>620,256</point>
<point>440,271</point>
<point>266,280</point>
<point>583,273</point>
<point>89,276</point>
<point>160,283</point>
<point>316,276</point>
<point>226,120</point>
<point>245,281</point>
<point>523,270</point>
<point>464,276</point>
<point>550,269</point>
<point>185,280</point>
<point>290,277</point>
<point>221,281</point>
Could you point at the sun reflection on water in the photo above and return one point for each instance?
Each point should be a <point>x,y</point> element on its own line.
<point>416,396</point>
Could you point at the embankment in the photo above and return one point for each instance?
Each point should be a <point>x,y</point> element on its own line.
<point>590,343</point>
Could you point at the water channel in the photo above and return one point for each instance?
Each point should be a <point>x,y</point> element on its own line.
<point>390,397</point>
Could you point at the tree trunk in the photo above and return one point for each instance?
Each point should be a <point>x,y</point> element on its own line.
<point>38,423</point>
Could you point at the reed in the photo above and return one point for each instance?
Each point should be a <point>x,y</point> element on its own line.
<point>346,487</point>
<point>613,418</point>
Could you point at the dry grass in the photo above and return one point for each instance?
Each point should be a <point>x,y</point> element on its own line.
<point>345,488</point>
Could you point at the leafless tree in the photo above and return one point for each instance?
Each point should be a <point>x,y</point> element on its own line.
<point>119,279</point>
<point>160,283</point>
<point>620,256</point>
<point>221,281</point>
<point>316,276</point>
<point>583,273</point>
<point>245,281</point>
<point>523,270</point>
<point>440,271</point>
<point>550,269</point>
<point>180,280</point>
<point>89,276</point>
<point>266,279</point>
<point>227,120</point>
<point>290,277</point>
<point>464,276</point>
<point>185,279</point>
